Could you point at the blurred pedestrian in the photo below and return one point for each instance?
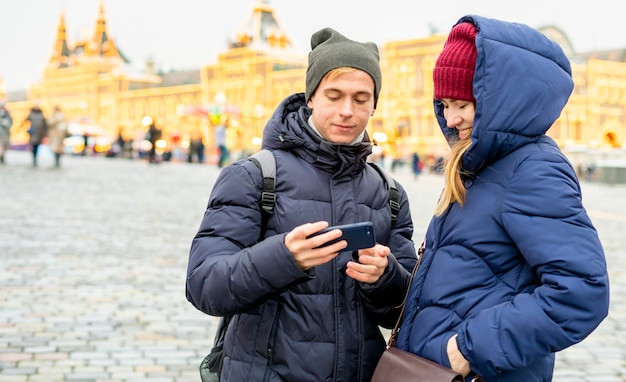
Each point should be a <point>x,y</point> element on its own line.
<point>120,144</point>
<point>190,150</point>
<point>85,136</point>
<point>38,129</point>
<point>199,147</point>
<point>220,141</point>
<point>513,269</point>
<point>57,132</point>
<point>590,171</point>
<point>154,134</point>
<point>416,164</point>
<point>6,121</point>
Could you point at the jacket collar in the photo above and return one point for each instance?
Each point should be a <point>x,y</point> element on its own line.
<point>288,130</point>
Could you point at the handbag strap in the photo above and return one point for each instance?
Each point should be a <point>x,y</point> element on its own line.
<point>394,333</point>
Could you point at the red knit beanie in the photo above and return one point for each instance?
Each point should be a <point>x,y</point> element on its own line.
<point>453,76</point>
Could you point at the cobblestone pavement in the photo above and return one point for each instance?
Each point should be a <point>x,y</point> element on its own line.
<point>93,259</point>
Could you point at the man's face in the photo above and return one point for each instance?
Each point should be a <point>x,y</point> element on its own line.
<point>343,105</point>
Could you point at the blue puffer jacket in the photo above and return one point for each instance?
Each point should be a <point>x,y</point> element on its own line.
<point>518,272</point>
<point>292,325</point>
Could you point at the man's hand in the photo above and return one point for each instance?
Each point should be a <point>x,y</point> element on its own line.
<point>306,252</point>
<point>372,264</point>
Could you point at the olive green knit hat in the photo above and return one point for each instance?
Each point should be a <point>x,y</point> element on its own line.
<point>330,50</point>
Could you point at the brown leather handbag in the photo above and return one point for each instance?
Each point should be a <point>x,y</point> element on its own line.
<point>398,365</point>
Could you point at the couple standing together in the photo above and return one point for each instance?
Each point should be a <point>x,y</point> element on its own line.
<point>513,269</point>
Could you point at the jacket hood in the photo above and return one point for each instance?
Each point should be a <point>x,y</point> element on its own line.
<point>289,130</point>
<point>522,81</point>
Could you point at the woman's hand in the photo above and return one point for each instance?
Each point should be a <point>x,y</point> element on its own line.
<point>458,363</point>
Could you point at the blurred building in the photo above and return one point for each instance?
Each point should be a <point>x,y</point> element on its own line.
<point>95,83</point>
<point>3,93</point>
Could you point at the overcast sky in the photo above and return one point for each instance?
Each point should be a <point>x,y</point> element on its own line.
<point>184,34</point>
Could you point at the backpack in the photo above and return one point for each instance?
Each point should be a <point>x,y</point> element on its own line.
<point>211,366</point>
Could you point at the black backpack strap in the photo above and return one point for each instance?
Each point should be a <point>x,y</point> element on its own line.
<point>266,162</point>
<point>394,195</point>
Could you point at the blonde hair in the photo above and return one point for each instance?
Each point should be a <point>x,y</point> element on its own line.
<point>454,191</point>
<point>336,72</point>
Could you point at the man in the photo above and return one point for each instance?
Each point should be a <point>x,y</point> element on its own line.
<point>301,311</point>
<point>5,130</point>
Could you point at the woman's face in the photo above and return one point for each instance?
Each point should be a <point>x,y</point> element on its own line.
<point>459,115</point>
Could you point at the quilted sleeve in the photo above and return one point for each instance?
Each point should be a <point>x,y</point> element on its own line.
<point>228,271</point>
<point>543,214</point>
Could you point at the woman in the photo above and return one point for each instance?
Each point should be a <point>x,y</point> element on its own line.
<point>513,269</point>
<point>57,131</point>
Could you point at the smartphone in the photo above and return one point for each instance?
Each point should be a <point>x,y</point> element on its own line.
<point>358,235</point>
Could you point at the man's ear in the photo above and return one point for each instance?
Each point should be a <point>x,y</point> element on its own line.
<point>308,103</point>
<point>373,112</point>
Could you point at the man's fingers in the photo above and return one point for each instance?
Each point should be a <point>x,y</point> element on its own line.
<point>305,230</point>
